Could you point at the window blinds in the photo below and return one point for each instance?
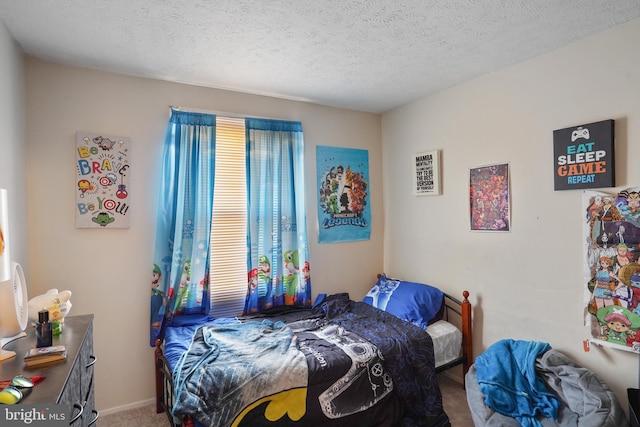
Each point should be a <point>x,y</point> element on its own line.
<point>228,246</point>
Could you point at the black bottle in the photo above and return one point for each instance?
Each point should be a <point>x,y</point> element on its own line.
<point>44,335</point>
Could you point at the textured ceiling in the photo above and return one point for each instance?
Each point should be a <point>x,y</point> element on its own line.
<point>368,55</point>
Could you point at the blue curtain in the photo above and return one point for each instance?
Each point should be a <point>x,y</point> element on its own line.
<point>181,258</point>
<point>278,258</point>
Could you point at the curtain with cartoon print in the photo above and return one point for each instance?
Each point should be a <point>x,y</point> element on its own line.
<point>278,266</point>
<point>612,272</point>
<point>180,269</point>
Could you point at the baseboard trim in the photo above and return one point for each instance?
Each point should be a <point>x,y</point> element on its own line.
<point>134,405</point>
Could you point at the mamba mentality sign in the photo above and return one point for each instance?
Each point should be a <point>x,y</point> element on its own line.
<point>583,156</point>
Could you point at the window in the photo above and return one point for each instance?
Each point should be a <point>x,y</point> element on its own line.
<point>205,251</point>
<point>228,245</point>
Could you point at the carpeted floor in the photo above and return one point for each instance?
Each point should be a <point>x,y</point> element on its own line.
<point>455,403</point>
<point>139,417</point>
<point>453,396</point>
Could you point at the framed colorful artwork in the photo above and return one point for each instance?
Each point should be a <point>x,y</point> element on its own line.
<point>102,181</point>
<point>426,173</point>
<point>489,198</point>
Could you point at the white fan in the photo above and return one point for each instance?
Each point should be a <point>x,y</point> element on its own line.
<point>13,309</point>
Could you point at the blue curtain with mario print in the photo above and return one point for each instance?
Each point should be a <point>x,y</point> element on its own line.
<point>181,258</point>
<point>278,258</point>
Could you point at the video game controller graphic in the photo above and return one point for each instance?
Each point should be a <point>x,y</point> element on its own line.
<point>367,373</point>
<point>580,133</point>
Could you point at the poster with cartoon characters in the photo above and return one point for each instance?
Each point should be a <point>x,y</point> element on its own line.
<point>102,169</point>
<point>489,198</point>
<point>344,212</point>
<point>611,269</point>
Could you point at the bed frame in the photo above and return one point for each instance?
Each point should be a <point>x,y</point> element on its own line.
<point>454,311</point>
<point>459,313</point>
<point>164,386</point>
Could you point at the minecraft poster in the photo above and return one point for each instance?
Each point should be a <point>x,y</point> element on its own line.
<point>583,156</point>
<point>611,270</point>
<point>102,181</point>
<point>344,212</point>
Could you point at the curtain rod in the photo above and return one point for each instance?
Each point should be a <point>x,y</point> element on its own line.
<point>225,114</point>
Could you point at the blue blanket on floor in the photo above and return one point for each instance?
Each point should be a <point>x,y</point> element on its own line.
<point>507,377</point>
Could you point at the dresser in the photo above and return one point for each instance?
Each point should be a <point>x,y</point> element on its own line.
<point>70,382</point>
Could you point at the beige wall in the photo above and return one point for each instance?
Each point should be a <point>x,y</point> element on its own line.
<point>109,271</point>
<point>526,284</point>
<point>13,176</point>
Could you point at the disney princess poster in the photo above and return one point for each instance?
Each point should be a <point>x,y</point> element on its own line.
<point>344,212</point>
<point>611,270</point>
<point>102,182</point>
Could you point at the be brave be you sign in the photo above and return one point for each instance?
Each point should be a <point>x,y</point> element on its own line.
<point>583,156</point>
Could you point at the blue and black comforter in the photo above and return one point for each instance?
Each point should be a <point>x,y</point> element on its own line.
<point>343,363</point>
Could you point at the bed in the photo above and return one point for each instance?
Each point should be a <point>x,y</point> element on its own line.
<point>449,327</point>
<point>342,362</point>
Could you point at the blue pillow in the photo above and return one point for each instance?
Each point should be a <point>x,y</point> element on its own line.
<point>414,302</point>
